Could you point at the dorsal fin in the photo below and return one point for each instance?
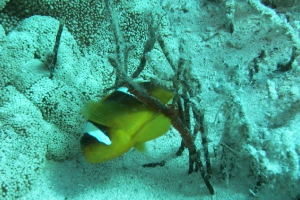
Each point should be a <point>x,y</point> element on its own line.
<point>87,108</point>
<point>162,94</point>
<point>101,112</point>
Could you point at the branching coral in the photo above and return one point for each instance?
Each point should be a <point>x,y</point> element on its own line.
<point>179,120</point>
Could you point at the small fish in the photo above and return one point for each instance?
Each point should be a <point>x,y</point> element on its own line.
<point>120,121</point>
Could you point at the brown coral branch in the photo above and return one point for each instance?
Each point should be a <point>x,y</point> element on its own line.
<point>188,139</point>
<point>52,57</point>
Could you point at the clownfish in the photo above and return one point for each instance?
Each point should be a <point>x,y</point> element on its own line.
<point>120,121</point>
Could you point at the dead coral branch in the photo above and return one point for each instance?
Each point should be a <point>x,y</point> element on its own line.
<point>51,59</point>
<point>178,114</point>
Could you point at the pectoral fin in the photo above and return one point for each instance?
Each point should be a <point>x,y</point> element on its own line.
<point>155,127</point>
<point>141,146</point>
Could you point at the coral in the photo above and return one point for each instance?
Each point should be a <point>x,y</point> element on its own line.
<point>42,116</point>
<point>58,102</point>
<point>3,3</point>
<point>23,134</point>
<point>86,20</point>
<point>82,17</point>
<point>281,4</point>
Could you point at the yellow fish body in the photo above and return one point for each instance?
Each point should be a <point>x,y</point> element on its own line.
<point>120,121</point>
